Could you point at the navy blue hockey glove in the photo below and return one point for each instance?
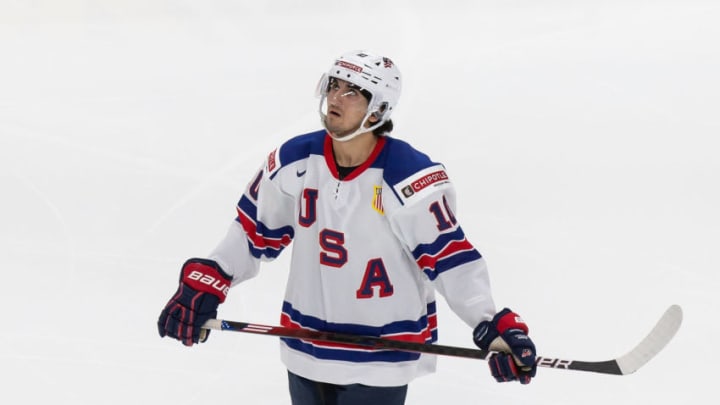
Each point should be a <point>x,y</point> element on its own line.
<point>507,334</point>
<point>203,286</point>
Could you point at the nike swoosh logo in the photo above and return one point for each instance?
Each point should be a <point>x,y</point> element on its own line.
<point>301,173</point>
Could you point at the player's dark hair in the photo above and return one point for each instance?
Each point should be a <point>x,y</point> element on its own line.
<point>386,127</point>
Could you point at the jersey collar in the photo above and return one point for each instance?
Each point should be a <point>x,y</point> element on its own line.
<point>330,160</point>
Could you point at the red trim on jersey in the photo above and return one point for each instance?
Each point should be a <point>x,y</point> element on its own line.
<point>422,337</point>
<point>432,322</point>
<point>258,240</point>
<point>330,159</point>
<point>427,261</point>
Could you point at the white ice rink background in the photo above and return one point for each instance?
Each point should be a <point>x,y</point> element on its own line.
<point>581,137</point>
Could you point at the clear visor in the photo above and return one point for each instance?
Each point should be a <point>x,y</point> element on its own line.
<point>322,86</point>
<point>322,90</point>
<point>325,82</point>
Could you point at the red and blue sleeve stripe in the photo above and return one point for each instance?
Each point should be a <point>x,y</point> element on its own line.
<point>262,240</point>
<point>448,251</point>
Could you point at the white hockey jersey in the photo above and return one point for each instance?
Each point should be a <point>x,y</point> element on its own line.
<point>369,251</point>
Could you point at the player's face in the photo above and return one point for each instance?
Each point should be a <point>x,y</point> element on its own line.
<point>346,107</point>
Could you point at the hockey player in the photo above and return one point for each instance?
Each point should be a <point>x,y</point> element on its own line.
<point>374,236</point>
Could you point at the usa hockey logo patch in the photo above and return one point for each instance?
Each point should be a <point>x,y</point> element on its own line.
<point>377,200</point>
<point>271,161</point>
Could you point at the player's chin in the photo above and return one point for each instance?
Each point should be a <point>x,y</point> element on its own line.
<point>337,130</point>
<point>333,120</point>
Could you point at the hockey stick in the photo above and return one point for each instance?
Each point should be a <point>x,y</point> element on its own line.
<point>658,337</point>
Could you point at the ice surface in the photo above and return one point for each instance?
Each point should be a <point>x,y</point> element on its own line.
<point>581,137</point>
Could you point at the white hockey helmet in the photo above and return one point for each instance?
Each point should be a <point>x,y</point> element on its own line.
<point>378,75</point>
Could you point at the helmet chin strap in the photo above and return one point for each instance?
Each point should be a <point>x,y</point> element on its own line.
<point>360,130</point>
<point>346,137</point>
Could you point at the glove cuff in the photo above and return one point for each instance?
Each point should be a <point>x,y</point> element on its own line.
<point>486,333</point>
<point>506,320</point>
<point>206,276</point>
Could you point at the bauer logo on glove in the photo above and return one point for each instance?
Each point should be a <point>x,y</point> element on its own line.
<point>216,283</point>
<point>203,286</point>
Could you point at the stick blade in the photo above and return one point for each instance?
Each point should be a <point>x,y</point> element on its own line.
<point>654,342</point>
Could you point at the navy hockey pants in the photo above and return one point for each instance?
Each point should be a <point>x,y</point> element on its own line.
<point>309,392</point>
